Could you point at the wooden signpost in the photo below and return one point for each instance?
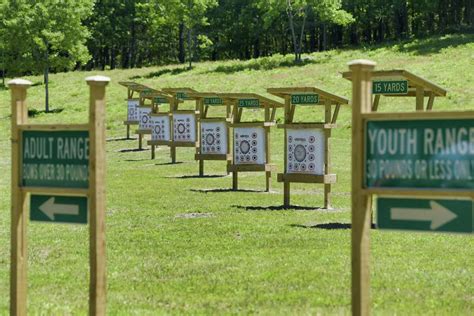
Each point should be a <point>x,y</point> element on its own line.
<point>214,130</point>
<point>251,141</point>
<point>133,102</point>
<point>307,144</point>
<point>184,123</point>
<point>418,164</point>
<point>58,173</point>
<point>402,83</point>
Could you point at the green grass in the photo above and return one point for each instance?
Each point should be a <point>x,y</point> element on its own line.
<point>238,253</point>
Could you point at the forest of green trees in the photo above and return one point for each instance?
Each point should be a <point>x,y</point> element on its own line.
<point>58,35</point>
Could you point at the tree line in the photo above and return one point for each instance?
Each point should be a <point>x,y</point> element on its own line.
<point>58,35</point>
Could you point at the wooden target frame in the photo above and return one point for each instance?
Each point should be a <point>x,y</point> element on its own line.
<point>309,96</point>
<point>241,102</point>
<point>207,101</point>
<point>179,97</point>
<point>158,98</point>
<point>133,89</point>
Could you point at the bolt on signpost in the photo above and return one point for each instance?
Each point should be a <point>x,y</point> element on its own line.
<point>58,172</point>
<point>419,164</point>
<point>214,131</point>
<point>251,141</point>
<point>307,144</point>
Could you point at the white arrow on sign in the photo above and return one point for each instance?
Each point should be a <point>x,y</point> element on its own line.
<point>49,208</point>
<point>438,215</point>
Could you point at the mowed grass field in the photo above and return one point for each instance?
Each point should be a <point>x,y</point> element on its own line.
<point>177,243</point>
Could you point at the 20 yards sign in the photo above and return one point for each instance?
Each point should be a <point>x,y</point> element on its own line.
<point>55,159</point>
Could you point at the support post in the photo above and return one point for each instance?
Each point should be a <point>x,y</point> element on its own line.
<point>140,141</point>
<point>152,151</point>
<point>128,131</point>
<point>235,180</point>
<point>19,214</point>
<point>361,103</point>
<point>420,98</point>
<point>327,154</point>
<point>201,167</point>
<point>97,105</point>
<point>286,193</point>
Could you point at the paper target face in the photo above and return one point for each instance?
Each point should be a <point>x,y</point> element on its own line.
<point>132,112</point>
<point>305,152</point>
<point>213,138</point>
<point>249,145</point>
<point>184,127</point>
<point>144,118</point>
<point>161,128</point>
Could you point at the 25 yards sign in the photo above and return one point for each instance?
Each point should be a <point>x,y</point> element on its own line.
<point>55,159</point>
<point>420,153</point>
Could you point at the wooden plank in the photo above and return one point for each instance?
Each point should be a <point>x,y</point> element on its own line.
<point>336,113</point>
<point>131,122</point>
<point>361,219</point>
<point>55,127</point>
<point>252,168</point>
<point>97,256</point>
<point>252,124</point>
<point>19,213</point>
<point>420,192</point>
<point>375,105</point>
<point>57,191</point>
<point>327,156</point>
<point>159,142</point>
<point>212,157</point>
<point>307,125</point>
<point>429,107</point>
<point>142,132</point>
<point>286,91</point>
<point>175,144</point>
<point>420,97</point>
<point>306,178</point>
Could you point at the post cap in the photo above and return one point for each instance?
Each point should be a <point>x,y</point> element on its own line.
<point>361,62</point>
<point>98,79</point>
<point>19,82</point>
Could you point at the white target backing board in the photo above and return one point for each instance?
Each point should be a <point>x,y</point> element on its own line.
<point>132,112</point>
<point>161,128</point>
<point>184,127</point>
<point>305,151</point>
<point>144,115</point>
<point>249,145</point>
<point>213,138</point>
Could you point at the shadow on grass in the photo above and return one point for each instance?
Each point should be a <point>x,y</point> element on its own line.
<point>119,139</point>
<point>329,226</point>
<point>3,87</point>
<point>265,63</point>
<point>225,190</point>
<point>35,112</point>
<point>434,45</point>
<point>276,208</point>
<point>208,176</point>
<point>161,72</point>
<point>169,163</point>
<point>131,150</point>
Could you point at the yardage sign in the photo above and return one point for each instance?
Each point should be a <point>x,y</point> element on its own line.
<point>55,159</point>
<point>249,103</point>
<point>161,100</point>
<point>213,101</point>
<point>420,153</point>
<point>305,99</point>
<point>390,87</point>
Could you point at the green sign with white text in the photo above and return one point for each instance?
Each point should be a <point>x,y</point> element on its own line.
<point>420,153</point>
<point>390,87</point>
<point>213,101</point>
<point>249,103</point>
<point>161,100</point>
<point>304,99</point>
<point>182,95</point>
<point>55,159</point>
<point>58,209</point>
<point>436,215</point>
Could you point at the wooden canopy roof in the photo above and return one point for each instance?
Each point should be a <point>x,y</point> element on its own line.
<point>414,81</point>
<point>323,95</point>
<point>264,101</point>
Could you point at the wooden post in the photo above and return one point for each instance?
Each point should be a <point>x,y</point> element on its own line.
<point>140,141</point>
<point>19,214</point>
<point>268,158</point>
<point>97,292</point>
<point>361,103</point>
<point>327,155</point>
<point>201,167</point>
<point>420,97</point>
<point>128,131</point>
<point>152,151</point>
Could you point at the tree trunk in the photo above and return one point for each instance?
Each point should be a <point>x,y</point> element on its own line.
<point>190,49</point>
<point>46,85</point>
<point>181,52</point>
<point>293,34</point>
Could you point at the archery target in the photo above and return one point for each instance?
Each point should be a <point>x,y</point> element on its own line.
<point>144,116</point>
<point>213,138</point>
<point>249,145</point>
<point>132,113</point>
<point>161,128</point>
<point>305,151</point>
<point>184,127</point>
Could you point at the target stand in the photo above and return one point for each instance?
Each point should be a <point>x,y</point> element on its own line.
<point>184,131</point>
<point>214,130</point>
<point>133,102</point>
<point>251,141</point>
<point>160,122</point>
<point>402,83</point>
<point>145,109</point>
<point>307,144</point>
